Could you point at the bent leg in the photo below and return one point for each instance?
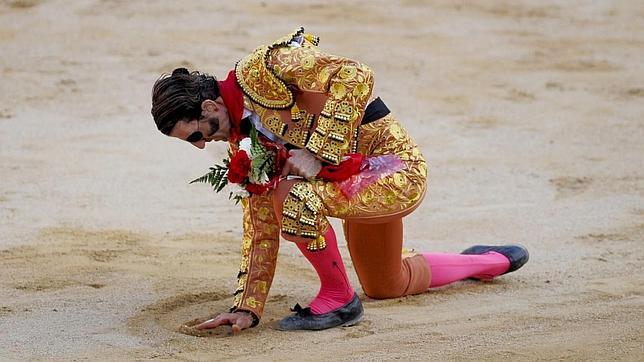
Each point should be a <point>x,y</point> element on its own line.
<point>376,254</point>
<point>335,288</point>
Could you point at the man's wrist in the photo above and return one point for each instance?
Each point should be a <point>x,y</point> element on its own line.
<point>251,315</point>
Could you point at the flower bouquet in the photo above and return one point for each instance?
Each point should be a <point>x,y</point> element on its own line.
<point>253,167</point>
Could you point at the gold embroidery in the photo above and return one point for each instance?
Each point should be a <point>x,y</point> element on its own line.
<point>296,114</point>
<point>390,195</point>
<point>260,84</point>
<point>307,62</point>
<point>298,133</point>
<point>262,286</point>
<point>338,90</point>
<point>317,245</point>
<point>263,213</point>
<point>274,124</point>
<point>301,210</point>
<point>314,40</point>
<point>260,245</point>
<point>348,84</point>
<point>252,302</point>
<point>348,72</point>
<point>361,90</point>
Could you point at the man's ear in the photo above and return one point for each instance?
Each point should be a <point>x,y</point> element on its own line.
<point>209,105</point>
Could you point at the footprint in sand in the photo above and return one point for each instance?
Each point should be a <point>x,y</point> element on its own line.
<point>360,330</point>
<point>23,4</point>
<point>4,311</point>
<point>634,92</point>
<point>5,114</point>
<point>568,186</point>
<point>586,65</point>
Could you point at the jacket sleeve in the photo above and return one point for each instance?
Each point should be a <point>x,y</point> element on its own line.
<point>348,83</point>
<point>260,245</point>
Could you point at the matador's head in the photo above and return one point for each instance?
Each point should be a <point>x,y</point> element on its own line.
<point>188,106</point>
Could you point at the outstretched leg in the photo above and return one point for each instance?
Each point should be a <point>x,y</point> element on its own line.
<point>448,268</point>
<point>376,254</point>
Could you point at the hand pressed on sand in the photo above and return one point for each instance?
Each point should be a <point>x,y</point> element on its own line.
<point>238,321</point>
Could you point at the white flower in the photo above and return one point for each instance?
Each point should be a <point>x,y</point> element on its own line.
<point>246,145</point>
<point>237,191</point>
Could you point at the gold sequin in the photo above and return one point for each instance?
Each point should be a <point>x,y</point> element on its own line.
<point>323,75</point>
<point>399,179</point>
<point>307,62</point>
<point>397,132</point>
<point>361,90</point>
<point>263,213</point>
<point>338,90</point>
<point>348,72</point>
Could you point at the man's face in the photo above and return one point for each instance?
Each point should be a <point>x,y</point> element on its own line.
<point>214,125</point>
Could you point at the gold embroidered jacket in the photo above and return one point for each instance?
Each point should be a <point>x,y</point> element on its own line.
<point>308,98</point>
<point>312,100</point>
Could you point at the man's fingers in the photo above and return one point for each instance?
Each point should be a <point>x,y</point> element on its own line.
<point>241,323</point>
<point>286,170</point>
<point>212,323</point>
<point>236,329</point>
<point>238,322</point>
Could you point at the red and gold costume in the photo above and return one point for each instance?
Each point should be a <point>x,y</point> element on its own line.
<point>316,101</point>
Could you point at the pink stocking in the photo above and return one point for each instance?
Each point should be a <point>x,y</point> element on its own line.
<point>448,268</point>
<point>335,289</point>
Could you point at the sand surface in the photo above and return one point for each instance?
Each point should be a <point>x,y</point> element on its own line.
<point>531,115</point>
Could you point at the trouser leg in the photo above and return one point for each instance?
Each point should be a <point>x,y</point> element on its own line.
<point>376,254</point>
<point>448,268</point>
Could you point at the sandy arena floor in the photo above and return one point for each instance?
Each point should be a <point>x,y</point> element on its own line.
<point>531,115</point>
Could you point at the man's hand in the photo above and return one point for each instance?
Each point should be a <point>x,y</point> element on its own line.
<point>238,321</point>
<point>302,163</point>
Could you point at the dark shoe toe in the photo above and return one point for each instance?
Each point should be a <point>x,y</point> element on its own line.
<point>517,254</point>
<point>347,315</point>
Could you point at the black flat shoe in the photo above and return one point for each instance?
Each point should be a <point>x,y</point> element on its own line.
<point>347,315</point>
<point>517,254</point>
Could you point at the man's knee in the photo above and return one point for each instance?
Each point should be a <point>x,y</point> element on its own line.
<point>382,290</point>
<point>414,278</point>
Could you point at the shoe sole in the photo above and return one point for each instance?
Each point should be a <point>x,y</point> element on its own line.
<point>354,321</point>
<point>350,323</point>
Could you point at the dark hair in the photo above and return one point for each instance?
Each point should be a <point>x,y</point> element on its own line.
<point>179,96</point>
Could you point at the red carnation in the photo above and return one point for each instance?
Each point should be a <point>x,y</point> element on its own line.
<point>239,167</point>
<point>256,189</point>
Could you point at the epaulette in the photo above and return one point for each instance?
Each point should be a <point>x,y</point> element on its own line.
<point>259,82</point>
